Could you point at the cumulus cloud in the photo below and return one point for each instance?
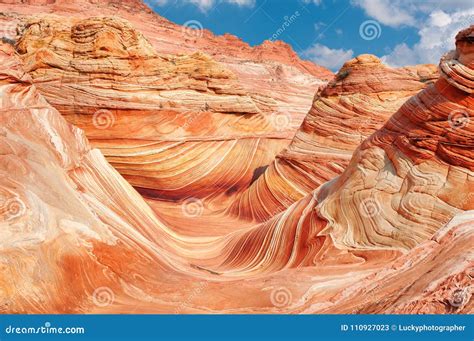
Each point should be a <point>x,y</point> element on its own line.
<point>316,2</point>
<point>388,12</point>
<point>242,2</point>
<point>202,4</point>
<point>437,22</point>
<point>205,4</point>
<point>396,13</point>
<point>436,38</point>
<point>325,56</point>
<point>440,19</point>
<point>429,6</point>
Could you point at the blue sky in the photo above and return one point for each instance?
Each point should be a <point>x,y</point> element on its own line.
<point>402,32</point>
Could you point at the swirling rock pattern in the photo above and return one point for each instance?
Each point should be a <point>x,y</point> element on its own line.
<point>391,233</point>
<point>428,286</point>
<point>173,126</point>
<point>416,172</point>
<point>71,224</point>
<point>50,208</point>
<point>400,187</point>
<point>363,95</point>
<point>271,77</point>
<point>145,131</point>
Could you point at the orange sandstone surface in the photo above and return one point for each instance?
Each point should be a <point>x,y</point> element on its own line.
<point>357,102</point>
<point>384,224</point>
<point>150,112</point>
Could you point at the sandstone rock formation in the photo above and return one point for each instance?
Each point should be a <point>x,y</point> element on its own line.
<point>389,233</point>
<point>428,285</point>
<point>76,237</point>
<point>157,119</point>
<point>272,73</point>
<point>169,37</point>
<point>416,172</point>
<point>402,185</point>
<point>363,95</point>
<point>60,200</point>
<point>267,89</point>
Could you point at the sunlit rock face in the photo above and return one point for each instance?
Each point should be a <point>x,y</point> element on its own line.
<point>267,90</point>
<point>416,172</point>
<point>173,126</point>
<point>357,102</point>
<point>404,191</point>
<point>390,233</point>
<point>76,237</point>
<point>436,277</point>
<point>64,210</point>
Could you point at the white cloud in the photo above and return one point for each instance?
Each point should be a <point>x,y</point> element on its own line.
<point>242,2</point>
<point>428,6</point>
<point>203,4</point>
<point>440,19</point>
<point>396,13</point>
<point>206,4</point>
<point>437,21</point>
<point>325,56</point>
<point>402,55</point>
<point>387,12</point>
<point>316,2</point>
<point>436,38</point>
<point>319,25</point>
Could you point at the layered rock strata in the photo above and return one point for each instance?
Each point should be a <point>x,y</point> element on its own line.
<point>363,95</point>
<point>390,234</point>
<point>173,126</point>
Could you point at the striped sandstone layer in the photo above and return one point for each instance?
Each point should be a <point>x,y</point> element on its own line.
<point>271,75</point>
<point>89,243</point>
<point>174,126</point>
<point>392,233</point>
<point>357,102</point>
